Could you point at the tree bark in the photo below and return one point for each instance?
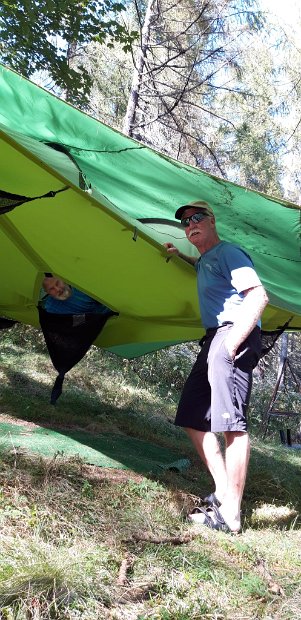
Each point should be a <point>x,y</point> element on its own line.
<point>129,120</point>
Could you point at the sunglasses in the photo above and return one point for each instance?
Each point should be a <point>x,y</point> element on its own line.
<point>195,218</point>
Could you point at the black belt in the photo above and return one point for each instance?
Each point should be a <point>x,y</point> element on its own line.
<point>211,331</point>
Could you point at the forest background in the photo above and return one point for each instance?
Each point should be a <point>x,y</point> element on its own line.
<point>212,83</point>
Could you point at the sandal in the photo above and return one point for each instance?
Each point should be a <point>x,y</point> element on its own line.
<point>207,502</point>
<point>211,500</point>
<point>213,519</point>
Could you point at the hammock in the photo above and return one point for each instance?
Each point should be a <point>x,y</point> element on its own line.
<point>68,338</point>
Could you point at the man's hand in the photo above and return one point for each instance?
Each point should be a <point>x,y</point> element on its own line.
<point>231,349</point>
<point>171,248</point>
<point>255,300</point>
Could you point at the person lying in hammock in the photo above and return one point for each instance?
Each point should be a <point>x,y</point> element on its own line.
<point>70,320</point>
<point>64,299</point>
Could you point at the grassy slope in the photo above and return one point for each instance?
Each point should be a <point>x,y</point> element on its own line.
<point>82,542</point>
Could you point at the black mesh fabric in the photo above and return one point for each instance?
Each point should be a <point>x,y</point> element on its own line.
<point>6,323</point>
<point>9,201</point>
<point>269,339</point>
<point>68,338</point>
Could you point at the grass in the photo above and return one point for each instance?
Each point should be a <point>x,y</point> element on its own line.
<point>81,542</point>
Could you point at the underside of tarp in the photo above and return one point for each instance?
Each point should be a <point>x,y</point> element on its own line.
<point>95,208</point>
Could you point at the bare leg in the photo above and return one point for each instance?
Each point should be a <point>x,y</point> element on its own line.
<point>237,459</point>
<point>208,448</point>
<point>229,475</point>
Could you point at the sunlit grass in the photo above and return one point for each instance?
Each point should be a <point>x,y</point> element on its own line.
<point>81,542</point>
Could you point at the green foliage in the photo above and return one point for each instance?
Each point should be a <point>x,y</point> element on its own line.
<point>256,153</point>
<point>87,490</point>
<point>167,368</point>
<point>112,71</point>
<point>254,585</point>
<point>187,53</point>
<point>46,34</point>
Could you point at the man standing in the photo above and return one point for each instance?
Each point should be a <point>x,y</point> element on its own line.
<point>217,392</point>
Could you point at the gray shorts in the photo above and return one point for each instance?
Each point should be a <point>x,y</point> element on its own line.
<point>216,394</point>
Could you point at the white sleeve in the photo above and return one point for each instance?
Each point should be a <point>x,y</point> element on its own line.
<point>244,278</point>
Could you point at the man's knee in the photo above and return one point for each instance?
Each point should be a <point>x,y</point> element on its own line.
<point>231,436</point>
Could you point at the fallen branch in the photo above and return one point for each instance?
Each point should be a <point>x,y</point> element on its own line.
<point>274,587</point>
<point>126,564</point>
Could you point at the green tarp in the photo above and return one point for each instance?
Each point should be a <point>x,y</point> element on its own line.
<point>104,232</point>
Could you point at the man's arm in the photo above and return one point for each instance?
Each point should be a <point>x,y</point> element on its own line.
<point>251,309</point>
<point>171,249</point>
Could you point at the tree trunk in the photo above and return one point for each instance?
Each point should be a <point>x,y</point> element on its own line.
<point>71,52</point>
<point>129,120</point>
<point>283,355</point>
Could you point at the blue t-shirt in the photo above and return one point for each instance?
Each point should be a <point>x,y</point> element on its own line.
<point>77,303</point>
<point>223,273</point>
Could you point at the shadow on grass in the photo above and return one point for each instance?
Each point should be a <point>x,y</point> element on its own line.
<point>273,482</point>
<point>274,472</point>
<point>141,441</point>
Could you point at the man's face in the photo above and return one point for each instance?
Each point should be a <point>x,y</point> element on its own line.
<point>198,232</point>
<point>57,288</point>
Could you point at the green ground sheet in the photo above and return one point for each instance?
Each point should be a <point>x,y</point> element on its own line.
<point>105,450</point>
